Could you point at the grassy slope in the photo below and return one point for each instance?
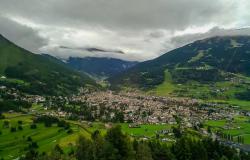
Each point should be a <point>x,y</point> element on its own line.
<point>205,91</point>
<point>197,70</point>
<point>166,88</point>
<point>13,144</point>
<point>41,72</point>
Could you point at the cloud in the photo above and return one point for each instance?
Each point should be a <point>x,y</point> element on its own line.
<point>178,41</point>
<point>130,14</point>
<point>93,50</point>
<point>22,35</point>
<point>141,29</point>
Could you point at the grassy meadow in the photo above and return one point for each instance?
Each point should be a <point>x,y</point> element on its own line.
<point>239,126</point>
<point>13,144</point>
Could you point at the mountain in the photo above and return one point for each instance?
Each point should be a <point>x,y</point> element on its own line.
<point>37,74</point>
<point>100,67</point>
<point>217,67</point>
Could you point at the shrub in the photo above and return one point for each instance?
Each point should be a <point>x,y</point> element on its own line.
<point>63,124</point>
<point>47,120</point>
<point>20,128</point>
<point>29,139</point>
<point>33,145</point>
<point>13,129</point>
<point>70,131</point>
<point>2,116</point>
<point>6,124</point>
<point>20,122</point>
<point>33,126</point>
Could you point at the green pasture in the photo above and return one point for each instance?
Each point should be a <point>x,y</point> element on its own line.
<point>148,130</point>
<point>14,144</point>
<point>166,88</point>
<point>240,126</point>
<point>224,91</point>
<point>218,124</point>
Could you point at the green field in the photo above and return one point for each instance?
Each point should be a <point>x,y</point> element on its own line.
<point>166,87</point>
<point>148,130</point>
<point>240,126</point>
<point>221,91</point>
<point>14,144</point>
<point>218,124</point>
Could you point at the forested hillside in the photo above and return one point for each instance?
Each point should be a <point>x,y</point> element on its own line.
<point>37,74</point>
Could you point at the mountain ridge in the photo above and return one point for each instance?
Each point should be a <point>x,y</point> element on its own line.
<point>207,61</point>
<point>41,74</point>
<point>101,67</point>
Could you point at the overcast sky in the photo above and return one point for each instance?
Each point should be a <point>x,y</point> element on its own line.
<point>126,29</point>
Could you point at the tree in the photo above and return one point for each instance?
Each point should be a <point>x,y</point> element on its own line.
<point>13,129</point>
<point>223,158</point>
<point>56,153</point>
<point>120,142</point>
<point>160,151</point>
<point>244,156</point>
<point>33,126</point>
<point>1,116</point>
<point>6,124</point>
<point>85,149</point>
<point>20,128</point>
<point>119,117</point>
<point>209,129</point>
<point>109,152</point>
<point>182,149</point>
<point>29,139</point>
<point>30,155</point>
<point>177,132</point>
<point>58,149</point>
<point>33,145</point>
<point>20,122</point>
<point>143,152</point>
<point>64,124</point>
<point>98,144</point>
<point>198,151</point>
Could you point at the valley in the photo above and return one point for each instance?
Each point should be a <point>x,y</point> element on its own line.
<point>141,117</point>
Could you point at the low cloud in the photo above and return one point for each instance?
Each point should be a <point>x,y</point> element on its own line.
<point>94,50</point>
<point>22,35</point>
<point>188,38</point>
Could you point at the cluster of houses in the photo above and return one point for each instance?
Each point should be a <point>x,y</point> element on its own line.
<point>139,108</point>
<point>146,109</point>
